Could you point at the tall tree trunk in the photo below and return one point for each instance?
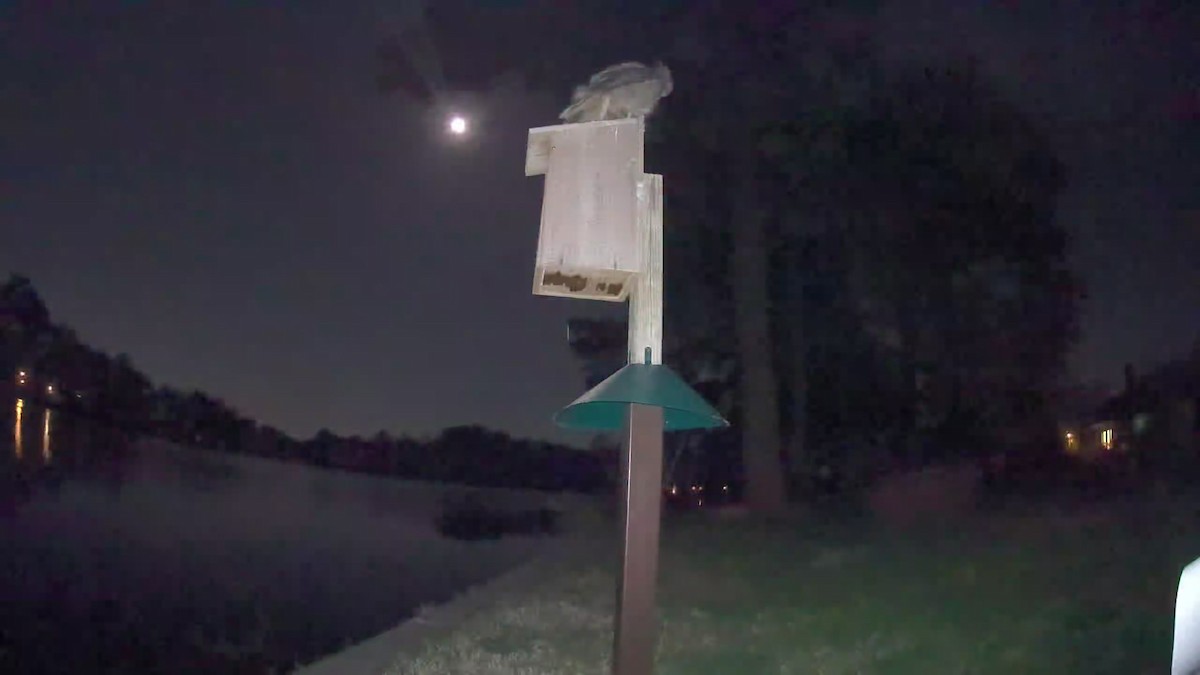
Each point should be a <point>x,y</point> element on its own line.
<point>761,442</point>
<point>797,461</point>
<point>797,458</point>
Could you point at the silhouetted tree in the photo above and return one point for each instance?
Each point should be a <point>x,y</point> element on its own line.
<point>876,238</point>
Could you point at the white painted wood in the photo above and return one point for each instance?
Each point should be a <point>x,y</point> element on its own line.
<point>541,139</point>
<point>588,245</point>
<point>646,297</point>
<point>1185,657</point>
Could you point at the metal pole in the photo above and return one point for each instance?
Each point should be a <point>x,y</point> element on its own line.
<point>636,630</point>
<point>641,463</point>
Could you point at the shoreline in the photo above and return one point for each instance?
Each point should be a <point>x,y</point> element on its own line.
<point>381,653</point>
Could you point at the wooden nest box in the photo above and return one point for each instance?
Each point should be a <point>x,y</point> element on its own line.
<point>588,245</point>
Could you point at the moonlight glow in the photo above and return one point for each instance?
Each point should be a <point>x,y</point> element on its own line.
<point>457,125</point>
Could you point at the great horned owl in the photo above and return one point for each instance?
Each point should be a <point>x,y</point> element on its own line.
<point>625,90</point>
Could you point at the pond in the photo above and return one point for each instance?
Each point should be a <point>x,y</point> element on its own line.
<point>145,557</point>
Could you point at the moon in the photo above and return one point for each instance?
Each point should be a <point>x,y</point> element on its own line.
<point>457,125</point>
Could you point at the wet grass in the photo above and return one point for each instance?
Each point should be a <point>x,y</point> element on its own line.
<point>1042,591</point>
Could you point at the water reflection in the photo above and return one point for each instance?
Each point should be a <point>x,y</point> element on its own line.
<point>111,548</point>
<point>46,455</point>
<point>49,428</point>
<point>17,429</point>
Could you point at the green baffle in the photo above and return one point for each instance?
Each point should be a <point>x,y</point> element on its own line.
<point>606,406</point>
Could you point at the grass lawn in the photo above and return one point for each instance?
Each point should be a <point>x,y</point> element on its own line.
<point>1018,591</point>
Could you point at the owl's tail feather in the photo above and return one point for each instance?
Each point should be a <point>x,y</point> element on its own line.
<point>586,109</point>
<point>578,100</point>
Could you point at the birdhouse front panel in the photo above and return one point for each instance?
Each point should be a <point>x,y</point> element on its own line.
<point>588,245</point>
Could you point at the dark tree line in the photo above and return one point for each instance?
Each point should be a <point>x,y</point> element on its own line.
<point>468,454</point>
<point>46,362</point>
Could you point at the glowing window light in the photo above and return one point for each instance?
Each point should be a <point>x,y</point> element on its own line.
<point>46,436</point>
<point>1106,439</point>
<point>17,449</point>
<point>1072,442</point>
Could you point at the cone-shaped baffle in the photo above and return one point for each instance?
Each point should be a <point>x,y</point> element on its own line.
<point>604,407</point>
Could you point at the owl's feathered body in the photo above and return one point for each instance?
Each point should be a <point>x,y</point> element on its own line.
<point>625,90</point>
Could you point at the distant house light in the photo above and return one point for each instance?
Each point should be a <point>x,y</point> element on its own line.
<point>49,389</point>
<point>1072,441</point>
<point>1106,439</point>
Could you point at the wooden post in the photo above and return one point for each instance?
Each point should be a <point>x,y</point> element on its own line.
<point>636,631</point>
<point>601,238</point>
<point>646,296</point>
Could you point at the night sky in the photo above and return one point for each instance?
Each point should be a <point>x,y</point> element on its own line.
<point>220,191</point>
